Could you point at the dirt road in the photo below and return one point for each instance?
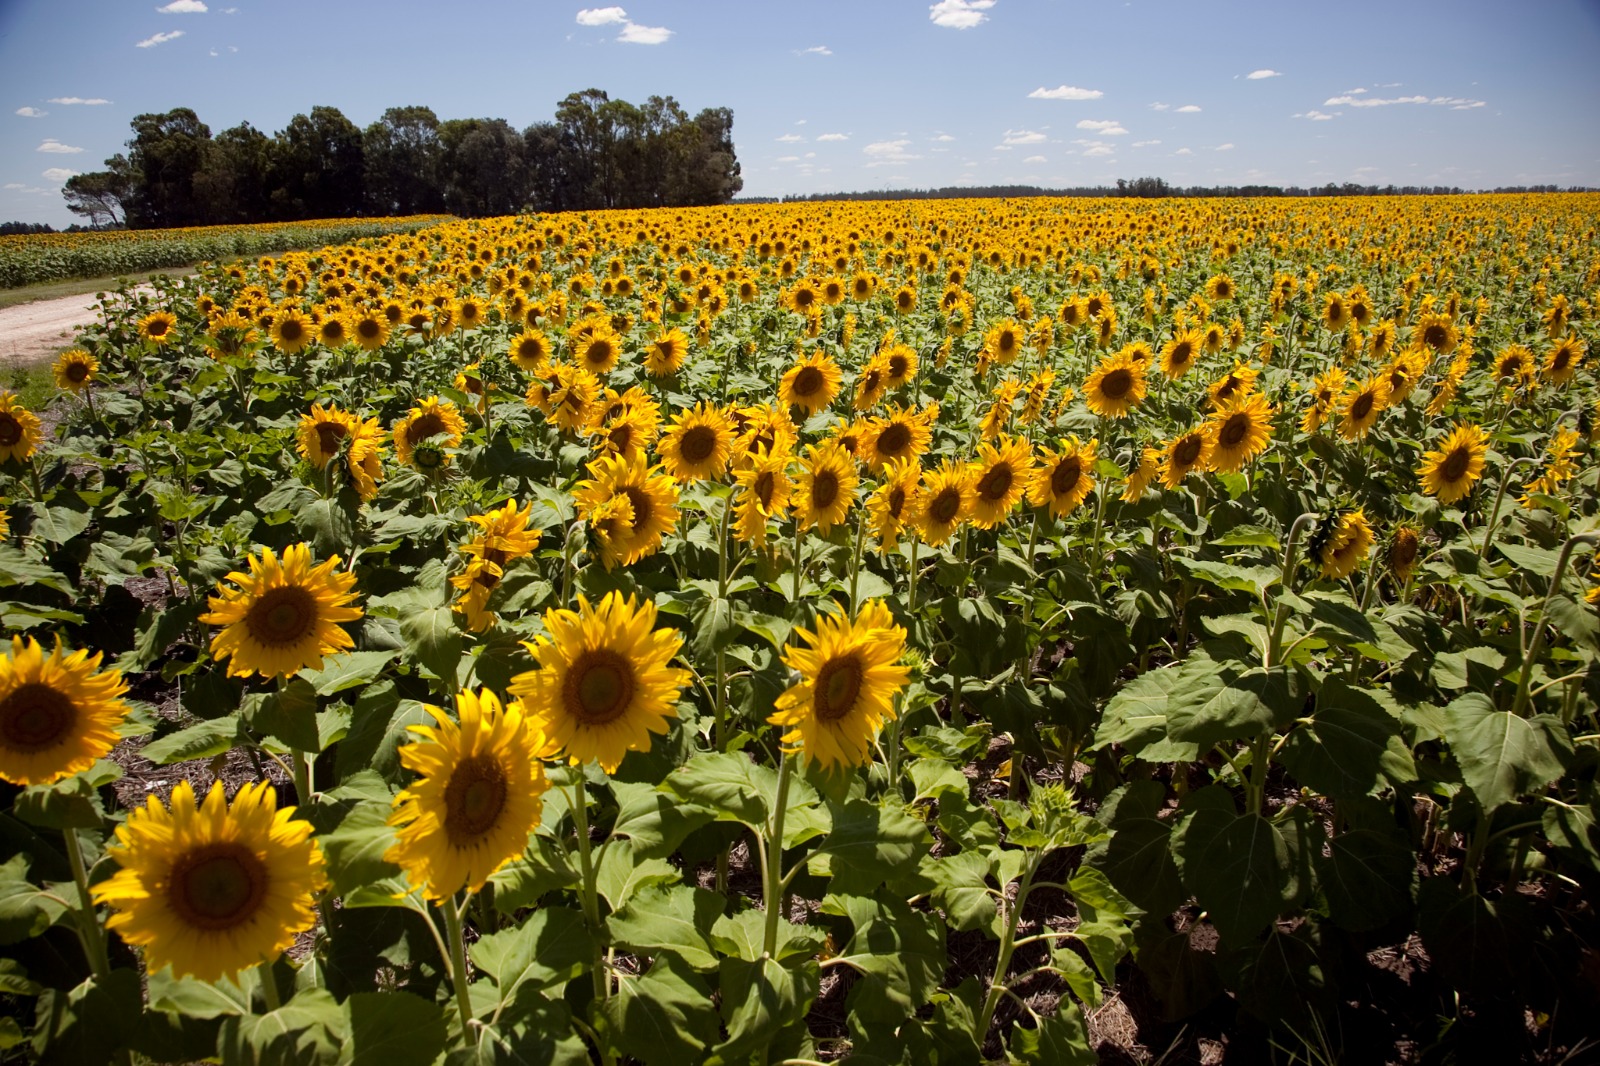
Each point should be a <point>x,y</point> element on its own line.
<point>35,332</point>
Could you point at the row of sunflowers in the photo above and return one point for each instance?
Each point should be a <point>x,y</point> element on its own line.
<point>868,632</point>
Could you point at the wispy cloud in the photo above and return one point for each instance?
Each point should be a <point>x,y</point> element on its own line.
<point>1036,159</point>
<point>1144,144</point>
<point>888,153</point>
<point>944,137</point>
<point>1065,92</point>
<point>1184,151</point>
<point>58,174</point>
<point>1096,149</point>
<point>1110,127</point>
<point>1317,116</point>
<point>815,50</point>
<point>834,137</point>
<point>1023,137</point>
<point>1257,75</point>
<point>184,7</point>
<point>31,112</point>
<point>633,33</point>
<point>1189,109</point>
<point>160,38</point>
<point>1224,147</point>
<point>1454,103</point>
<point>1160,107</point>
<point>960,14</point>
<point>55,147</point>
<point>790,138</point>
<point>93,101</point>
<point>601,16</point>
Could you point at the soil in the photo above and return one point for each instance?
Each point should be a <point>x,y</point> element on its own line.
<point>34,332</point>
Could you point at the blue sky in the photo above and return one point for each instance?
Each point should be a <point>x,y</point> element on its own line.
<point>863,94</point>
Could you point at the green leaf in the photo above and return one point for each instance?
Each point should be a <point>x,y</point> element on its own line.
<point>655,823</point>
<point>1503,756</point>
<point>327,524</point>
<point>963,892</point>
<point>760,999</point>
<point>1351,747</point>
<point>899,953</point>
<point>200,741</point>
<point>1237,866</point>
<point>1138,859</point>
<point>26,910</point>
<point>676,918</point>
<point>868,845</point>
<point>89,1023</point>
<point>59,524</point>
<point>1280,978</point>
<point>71,803</point>
<point>714,626</point>
<point>348,670</point>
<point>433,638</point>
<point>547,949</point>
<point>733,788</point>
<point>620,872</point>
<point>1367,877</point>
<point>742,936</point>
<point>662,1018</point>
<point>355,849</point>
<point>1212,702</point>
<point>309,1030</point>
<point>193,998</point>
<point>1060,1040</point>
<point>524,881</point>
<point>14,980</point>
<point>393,1028</point>
<point>1137,715</point>
<point>1252,579</point>
<point>288,714</point>
<point>378,727</point>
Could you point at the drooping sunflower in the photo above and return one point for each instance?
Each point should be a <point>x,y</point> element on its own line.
<point>894,501</point>
<point>479,796</point>
<point>1346,544</point>
<point>19,429</point>
<point>214,890</point>
<point>430,418</point>
<point>284,615</point>
<point>827,487</point>
<point>764,489</point>
<point>58,712</point>
<point>1181,352</point>
<point>321,433</point>
<point>364,460</point>
<point>158,327</point>
<point>1185,453</point>
<point>1239,431</point>
<point>999,479</point>
<point>1405,545</point>
<point>291,330</point>
<point>75,369</point>
<point>1115,386</point>
<point>849,677</point>
<point>1143,475</point>
<point>1063,479</point>
<point>946,501</point>
<point>1361,406</point>
<point>810,384</point>
<point>698,444</point>
<point>666,354</point>
<point>627,533</point>
<point>1450,472</point>
<point>604,683</point>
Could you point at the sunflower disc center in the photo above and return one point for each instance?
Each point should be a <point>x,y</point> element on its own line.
<point>599,687</point>
<point>808,382</point>
<point>35,717</point>
<point>10,430</point>
<point>1234,430</point>
<point>640,501</point>
<point>894,439</point>
<point>1362,406</point>
<point>698,445</point>
<point>897,502</point>
<point>824,489</point>
<point>218,886</point>
<point>997,482</point>
<point>282,617</point>
<point>1455,464</point>
<point>837,687</point>
<point>424,426</point>
<point>329,434</point>
<point>1116,384</point>
<point>945,506</point>
<point>1064,478</point>
<point>764,486</point>
<point>77,371</point>
<point>474,798</point>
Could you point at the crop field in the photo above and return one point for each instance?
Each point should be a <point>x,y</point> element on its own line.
<point>29,259</point>
<point>1038,631</point>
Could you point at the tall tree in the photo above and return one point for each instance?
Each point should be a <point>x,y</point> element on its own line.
<point>482,167</point>
<point>166,152</point>
<point>402,160</point>
<point>318,168</point>
<point>102,196</point>
<point>232,186</point>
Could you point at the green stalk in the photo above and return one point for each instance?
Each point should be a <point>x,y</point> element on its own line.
<point>911,596</point>
<point>1494,512</point>
<point>721,693</point>
<point>269,984</point>
<point>772,869</point>
<point>1520,702</point>
<point>855,559</point>
<point>89,931</point>
<point>1291,555</point>
<point>1008,945</point>
<point>591,903</point>
<point>798,535</point>
<point>458,969</point>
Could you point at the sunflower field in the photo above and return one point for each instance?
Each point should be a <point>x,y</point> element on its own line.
<point>940,633</point>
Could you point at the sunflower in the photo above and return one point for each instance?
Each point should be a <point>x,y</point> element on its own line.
<point>504,534</point>
<point>1063,479</point>
<point>1436,332</point>
<point>698,444</point>
<point>871,384</point>
<point>158,327</point>
<point>75,369</point>
<point>1004,341</point>
<point>597,351</point>
<point>1324,391</point>
<point>1449,472</point>
<point>1335,313</point>
<point>1185,453</point>
<point>1405,544</point>
<point>1221,288</point>
<point>999,479</point>
<point>1562,362</point>
<point>1360,407</point>
<point>1515,361</point>
<point>478,798</point>
<point>19,429</point>
<point>1116,386</point>
<point>604,683</point>
<point>1180,353</point>
<point>947,500</point>
<point>905,299</point>
<point>1143,475</point>
<point>904,434</point>
<point>214,890</point>
<point>1240,381</point>
<point>894,501</point>
<point>849,677</point>
<point>283,616</point>
<point>1239,431</point>
<point>530,350</point>
<point>630,506</point>
<point>58,713</point>
<point>810,384</point>
<point>291,330</point>
<point>432,418</point>
<point>762,429</point>
<point>764,487</point>
<point>827,487</point>
<point>321,433</point>
<point>364,460</point>
<point>1347,541</point>
<point>666,354</point>
<point>333,331</point>
<point>900,362</point>
<point>370,330</point>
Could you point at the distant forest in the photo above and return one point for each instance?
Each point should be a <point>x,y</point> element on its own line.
<point>1153,188</point>
<point>596,153</point>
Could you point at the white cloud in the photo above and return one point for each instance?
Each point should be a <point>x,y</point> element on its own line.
<point>183,7</point>
<point>1257,75</point>
<point>1023,137</point>
<point>888,153</point>
<point>91,102</point>
<point>58,174</point>
<point>791,138</point>
<point>1144,144</point>
<point>1035,159</point>
<point>230,11</point>
<point>944,137</point>
<point>1454,103</point>
<point>601,16</point>
<point>160,38</point>
<point>1095,151</point>
<point>1183,151</point>
<point>1224,147</point>
<point>1001,148</point>
<point>1317,116</point>
<point>817,50</point>
<point>959,14</point>
<point>55,147</point>
<point>1189,109</point>
<point>633,33</point>
<point>1353,92</point>
<point>1159,107</point>
<point>31,112</point>
<point>1065,92</point>
<point>15,185</point>
<point>788,159</point>
<point>1110,127</point>
<point>834,137</point>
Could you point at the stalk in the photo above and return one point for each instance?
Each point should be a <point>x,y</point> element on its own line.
<point>772,869</point>
<point>89,931</point>
<point>1494,512</point>
<point>458,969</point>
<point>1519,703</point>
<point>269,984</point>
<point>855,559</point>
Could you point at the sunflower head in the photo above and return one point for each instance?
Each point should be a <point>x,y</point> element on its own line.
<point>283,616</point>
<point>1342,541</point>
<point>75,369</point>
<point>159,327</point>
<point>58,712</point>
<point>19,429</point>
<point>1450,471</point>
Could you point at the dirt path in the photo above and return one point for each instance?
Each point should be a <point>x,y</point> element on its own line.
<point>34,332</point>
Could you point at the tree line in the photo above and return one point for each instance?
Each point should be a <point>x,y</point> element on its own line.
<point>595,153</point>
<point>1150,188</point>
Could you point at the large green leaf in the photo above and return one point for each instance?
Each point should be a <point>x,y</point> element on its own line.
<point>662,1017</point>
<point>652,820</point>
<point>620,872</point>
<point>1138,859</point>
<point>673,918</point>
<point>200,741</point>
<point>733,788</point>
<point>1213,701</point>
<point>310,1030</point>
<point>548,948</point>
<point>1503,756</point>
<point>1351,747</point>
<point>760,999</point>
<point>899,953</point>
<point>433,638</point>
<point>963,892</point>
<point>1137,715</point>
<point>1367,877</point>
<point>393,1028</point>
<point>742,935</point>
<point>1062,1039</point>
<point>289,714</point>
<point>350,669</point>
<point>868,845</point>
<point>26,910</point>
<point>1237,865</point>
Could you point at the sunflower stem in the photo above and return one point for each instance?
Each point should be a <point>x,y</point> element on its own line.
<point>458,968</point>
<point>1494,512</point>
<point>1291,555</point>
<point>89,931</point>
<point>773,868</point>
<point>591,904</point>
<point>269,984</point>
<point>911,595</point>
<point>1520,702</point>
<point>855,560</point>
<point>799,533</point>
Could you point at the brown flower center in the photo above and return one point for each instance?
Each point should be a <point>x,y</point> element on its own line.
<point>329,434</point>
<point>698,444</point>
<point>474,799</point>
<point>1362,406</point>
<point>10,430</point>
<point>1188,450</point>
<point>1116,385</point>
<point>808,382</point>
<point>894,439</point>
<point>837,687</point>
<point>1180,354</point>
<point>35,717</point>
<point>1234,430</point>
<point>899,366</point>
<point>824,489</point>
<point>282,617</point>
<point>1434,336</point>
<point>996,482</point>
<point>896,501</point>
<point>598,687</point>
<point>424,426</point>
<point>77,371</point>
<point>1064,478</point>
<point>945,506</point>
<point>1454,467</point>
<point>217,886</point>
<point>289,329</point>
<point>763,489</point>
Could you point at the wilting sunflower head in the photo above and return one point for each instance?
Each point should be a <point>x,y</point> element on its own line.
<point>1342,542</point>
<point>604,684</point>
<point>1405,545</point>
<point>58,712</point>
<point>213,890</point>
<point>477,799</point>
<point>283,616</point>
<point>850,673</point>
<point>432,421</point>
